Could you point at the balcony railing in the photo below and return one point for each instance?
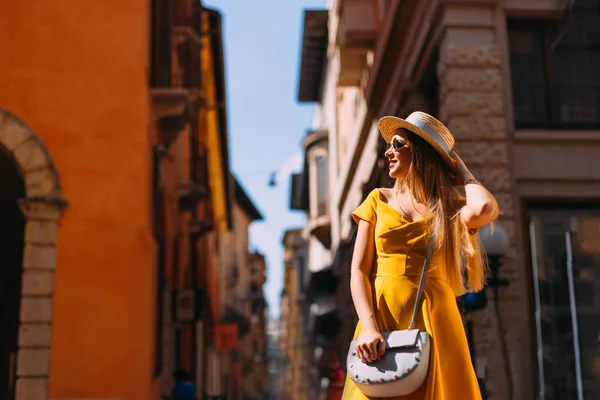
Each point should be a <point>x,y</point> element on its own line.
<point>540,106</point>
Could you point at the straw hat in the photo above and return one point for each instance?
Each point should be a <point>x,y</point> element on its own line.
<point>427,127</point>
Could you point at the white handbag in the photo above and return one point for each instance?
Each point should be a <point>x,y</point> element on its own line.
<point>405,364</point>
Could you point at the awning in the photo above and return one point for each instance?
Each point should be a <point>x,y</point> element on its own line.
<point>315,37</point>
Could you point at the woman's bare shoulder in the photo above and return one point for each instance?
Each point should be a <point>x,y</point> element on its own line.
<point>386,194</point>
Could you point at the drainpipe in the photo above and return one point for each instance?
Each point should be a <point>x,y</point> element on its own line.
<point>157,152</point>
<point>193,244</point>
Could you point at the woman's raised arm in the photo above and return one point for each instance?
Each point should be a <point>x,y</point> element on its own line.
<point>481,207</point>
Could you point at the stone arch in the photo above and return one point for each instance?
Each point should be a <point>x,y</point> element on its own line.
<point>42,208</point>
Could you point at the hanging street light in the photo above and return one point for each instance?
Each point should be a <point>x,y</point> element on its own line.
<point>273,180</point>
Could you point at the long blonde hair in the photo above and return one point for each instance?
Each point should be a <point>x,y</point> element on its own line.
<point>430,183</point>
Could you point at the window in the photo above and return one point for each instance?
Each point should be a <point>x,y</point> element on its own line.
<point>565,259</point>
<point>301,271</point>
<point>554,72</point>
<point>321,162</point>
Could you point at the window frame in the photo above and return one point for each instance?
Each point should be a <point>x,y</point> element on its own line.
<point>547,29</point>
<point>321,185</point>
<point>536,211</point>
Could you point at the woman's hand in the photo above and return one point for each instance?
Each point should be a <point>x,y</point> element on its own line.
<point>371,346</point>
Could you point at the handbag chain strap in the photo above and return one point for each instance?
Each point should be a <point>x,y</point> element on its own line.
<point>422,282</point>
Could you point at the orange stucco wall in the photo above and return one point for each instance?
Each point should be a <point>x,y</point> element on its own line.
<point>76,73</point>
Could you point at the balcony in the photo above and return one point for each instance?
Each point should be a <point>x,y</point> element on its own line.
<point>173,108</point>
<point>319,221</point>
<point>187,47</point>
<point>173,101</point>
<point>357,28</point>
<point>200,228</point>
<point>356,37</point>
<point>176,87</point>
<point>190,194</point>
<point>320,227</point>
<point>352,68</point>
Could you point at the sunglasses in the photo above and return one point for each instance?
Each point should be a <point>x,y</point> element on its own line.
<point>397,144</point>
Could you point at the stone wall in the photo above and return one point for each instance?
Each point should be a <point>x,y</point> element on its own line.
<point>472,106</point>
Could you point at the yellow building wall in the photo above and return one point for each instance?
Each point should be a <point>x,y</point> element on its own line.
<point>218,178</point>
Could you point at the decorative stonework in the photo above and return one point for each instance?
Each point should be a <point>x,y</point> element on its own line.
<point>478,56</point>
<point>472,104</point>
<point>42,208</point>
<point>477,127</point>
<point>463,103</point>
<point>468,78</point>
<point>483,153</point>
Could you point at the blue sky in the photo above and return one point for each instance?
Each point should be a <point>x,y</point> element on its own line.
<point>266,123</point>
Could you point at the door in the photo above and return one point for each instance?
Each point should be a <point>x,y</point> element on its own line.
<point>565,262</point>
<point>12,227</point>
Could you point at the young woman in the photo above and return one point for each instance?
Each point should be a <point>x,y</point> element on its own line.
<point>394,227</point>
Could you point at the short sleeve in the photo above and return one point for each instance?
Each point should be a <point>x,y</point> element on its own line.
<point>367,211</point>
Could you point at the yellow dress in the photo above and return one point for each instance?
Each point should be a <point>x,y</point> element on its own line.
<point>400,248</point>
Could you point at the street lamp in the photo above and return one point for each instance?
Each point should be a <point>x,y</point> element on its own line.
<point>495,244</point>
<point>273,179</point>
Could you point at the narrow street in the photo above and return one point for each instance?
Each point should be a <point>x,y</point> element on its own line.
<point>183,185</point>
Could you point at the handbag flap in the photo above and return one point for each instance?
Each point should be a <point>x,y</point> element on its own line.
<point>403,338</point>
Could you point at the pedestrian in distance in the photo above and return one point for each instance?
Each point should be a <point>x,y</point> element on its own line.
<point>184,389</point>
<point>436,203</point>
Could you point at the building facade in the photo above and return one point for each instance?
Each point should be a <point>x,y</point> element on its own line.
<point>297,380</point>
<point>245,305</point>
<point>117,204</point>
<point>274,361</point>
<point>513,82</point>
<point>255,362</point>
